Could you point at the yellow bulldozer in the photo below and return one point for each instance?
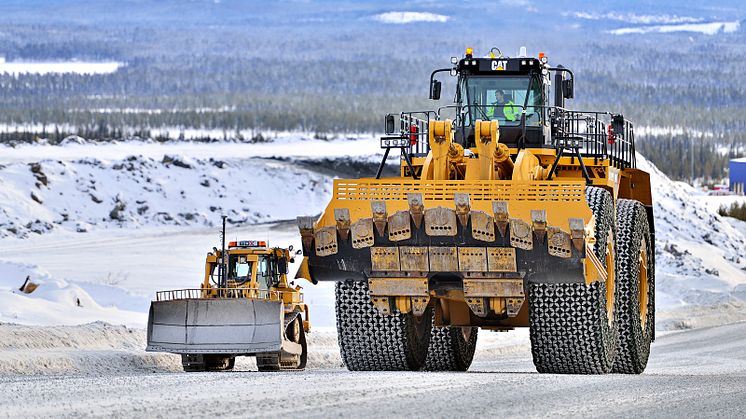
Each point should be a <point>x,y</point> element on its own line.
<point>509,210</point>
<point>245,306</point>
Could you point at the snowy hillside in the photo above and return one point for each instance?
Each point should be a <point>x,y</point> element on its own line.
<point>92,231</point>
<point>79,187</point>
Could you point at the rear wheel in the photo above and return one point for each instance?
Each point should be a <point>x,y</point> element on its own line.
<point>451,348</point>
<point>371,341</point>
<point>573,327</point>
<point>636,288</point>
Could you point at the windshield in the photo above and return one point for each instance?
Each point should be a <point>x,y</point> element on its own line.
<point>239,268</point>
<point>501,98</point>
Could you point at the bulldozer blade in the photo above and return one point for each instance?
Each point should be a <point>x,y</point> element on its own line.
<point>215,326</point>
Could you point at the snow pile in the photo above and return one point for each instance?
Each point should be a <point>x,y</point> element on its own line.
<point>700,257</point>
<point>59,302</point>
<point>140,191</point>
<point>99,348</point>
<point>95,348</point>
<point>709,28</point>
<point>409,17</point>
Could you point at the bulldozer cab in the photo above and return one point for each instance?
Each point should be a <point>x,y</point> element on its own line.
<point>249,266</point>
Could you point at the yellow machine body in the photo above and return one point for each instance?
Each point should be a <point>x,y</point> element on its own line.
<point>401,234</point>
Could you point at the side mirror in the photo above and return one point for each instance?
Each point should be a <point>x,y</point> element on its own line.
<point>390,124</point>
<point>567,89</point>
<point>282,266</point>
<point>435,90</point>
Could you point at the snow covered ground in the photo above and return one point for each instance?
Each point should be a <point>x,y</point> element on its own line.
<point>692,373</point>
<point>101,227</point>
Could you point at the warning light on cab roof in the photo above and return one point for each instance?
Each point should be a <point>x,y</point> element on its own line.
<point>248,243</point>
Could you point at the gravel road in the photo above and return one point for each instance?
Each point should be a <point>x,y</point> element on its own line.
<point>693,373</point>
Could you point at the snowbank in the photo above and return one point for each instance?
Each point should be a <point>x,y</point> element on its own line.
<point>140,191</point>
<point>59,302</point>
<point>100,348</point>
<point>700,257</point>
<point>96,348</point>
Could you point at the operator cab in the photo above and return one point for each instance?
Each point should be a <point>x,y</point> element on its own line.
<point>251,260</point>
<point>513,91</point>
<point>503,89</point>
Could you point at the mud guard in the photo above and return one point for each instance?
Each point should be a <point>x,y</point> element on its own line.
<point>217,326</point>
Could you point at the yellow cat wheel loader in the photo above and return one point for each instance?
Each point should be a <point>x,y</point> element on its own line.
<point>510,210</point>
<point>245,306</point>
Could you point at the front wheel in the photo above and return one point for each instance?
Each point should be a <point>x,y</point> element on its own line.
<point>636,279</point>
<point>573,327</point>
<point>372,341</point>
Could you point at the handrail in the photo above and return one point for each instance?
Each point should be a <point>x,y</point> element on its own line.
<point>596,134</point>
<point>226,293</point>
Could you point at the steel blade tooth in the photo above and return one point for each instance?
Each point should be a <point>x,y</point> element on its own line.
<point>379,216</point>
<point>342,216</point>
<point>500,209</point>
<point>462,207</point>
<point>416,208</point>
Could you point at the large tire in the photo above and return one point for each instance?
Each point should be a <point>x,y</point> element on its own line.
<point>572,329</point>
<point>636,286</point>
<point>371,341</point>
<point>451,348</point>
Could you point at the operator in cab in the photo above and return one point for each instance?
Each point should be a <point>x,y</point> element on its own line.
<point>507,108</point>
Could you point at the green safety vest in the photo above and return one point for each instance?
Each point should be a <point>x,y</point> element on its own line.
<point>510,111</point>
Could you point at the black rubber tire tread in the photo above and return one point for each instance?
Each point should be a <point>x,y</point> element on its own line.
<point>372,341</point>
<point>569,328</point>
<point>634,342</point>
<point>449,350</point>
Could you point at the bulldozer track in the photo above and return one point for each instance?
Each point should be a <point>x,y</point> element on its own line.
<point>273,361</point>
<point>371,341</point>
<point>450,350</point>
<point>569,329</point>
<point>634,337</point>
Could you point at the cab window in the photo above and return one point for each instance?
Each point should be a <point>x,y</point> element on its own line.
<point>502,99</point>
<point>239,268</point>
